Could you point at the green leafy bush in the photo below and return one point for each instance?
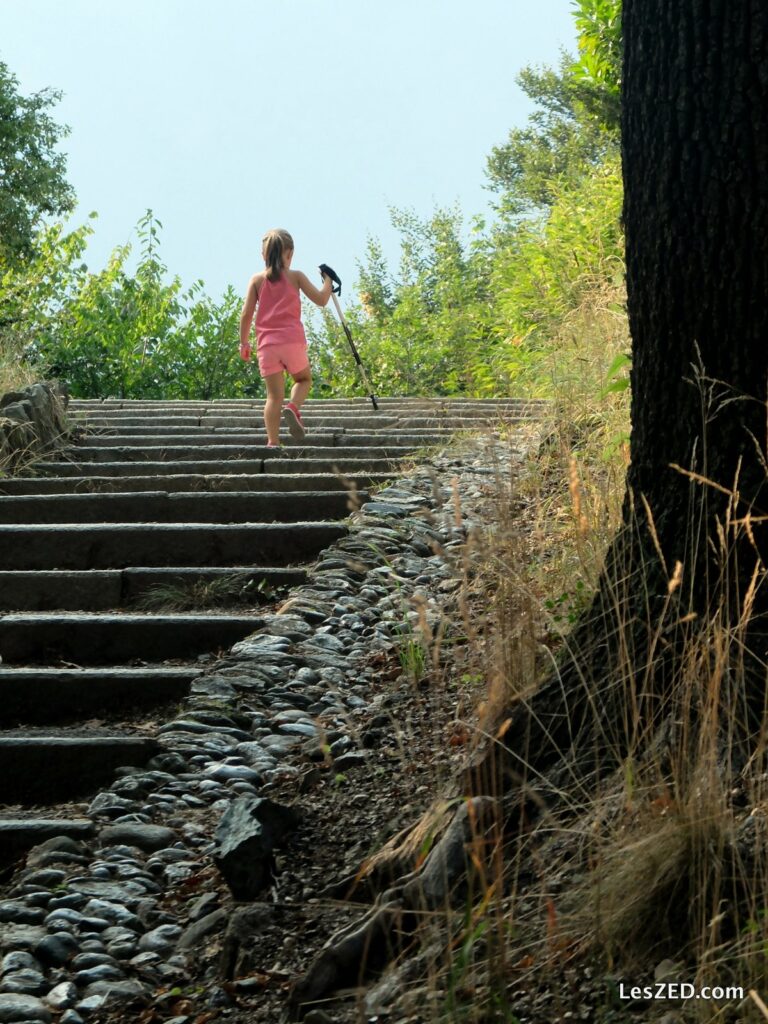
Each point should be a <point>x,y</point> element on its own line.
<point>117,333</point>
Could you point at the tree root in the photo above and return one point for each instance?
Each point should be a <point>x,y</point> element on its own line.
<point>388,928</point>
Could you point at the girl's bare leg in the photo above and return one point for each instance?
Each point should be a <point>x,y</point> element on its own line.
<point>302,382</point>
<point>273,407</point>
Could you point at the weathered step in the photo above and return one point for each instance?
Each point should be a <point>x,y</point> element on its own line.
<point>318,423</point>
<point>37,696</point>
<point>190,482</point>
<point>120,545</point>
<point>97,639</point>
<point>284,462</point>
<point>329,405</point>
<point>104,589</point>
<point>392,446</point>
<point>17,835</point>
<point>228,454</point>
<point>168,507</point>
<point>45,768</point>
<point>252,584</point>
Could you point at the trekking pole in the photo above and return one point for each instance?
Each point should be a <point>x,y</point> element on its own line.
<point>327,272</point>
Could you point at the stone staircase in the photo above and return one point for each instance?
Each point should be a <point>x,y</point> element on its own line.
<point>177,495</point>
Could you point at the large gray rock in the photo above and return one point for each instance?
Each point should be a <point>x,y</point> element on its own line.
<point>248,833</point>
<point>145,837</point>
<point>16,1008</point>
<point>32,421</point>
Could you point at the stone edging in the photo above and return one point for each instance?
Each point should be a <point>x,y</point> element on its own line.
<point>32,423</point>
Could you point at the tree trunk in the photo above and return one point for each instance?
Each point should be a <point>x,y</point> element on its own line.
<point>693,547</point>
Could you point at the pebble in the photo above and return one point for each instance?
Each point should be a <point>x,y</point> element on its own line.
<point>16,1007</point>
<point>26,980</point>
<point>62,996</point>
<point>160,940</point>
<point>54,950</point>
<point>17,912</point>
<point>232,772</point>
<point>146,837</point>
<point>18,960</point>
<point>101,972</point>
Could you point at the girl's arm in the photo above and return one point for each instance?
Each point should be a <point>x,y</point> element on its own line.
<point>246,317</point>
<point>319,296</point>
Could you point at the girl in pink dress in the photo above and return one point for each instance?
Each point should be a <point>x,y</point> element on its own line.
<point>274,294</point>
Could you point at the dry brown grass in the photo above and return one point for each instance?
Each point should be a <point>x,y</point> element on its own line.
<point>666,858</point>
<point>15,374</point>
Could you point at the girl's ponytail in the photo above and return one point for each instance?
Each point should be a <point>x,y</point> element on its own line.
<point>276,243</point>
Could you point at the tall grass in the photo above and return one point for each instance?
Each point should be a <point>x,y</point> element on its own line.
<point>15,374</point>
<point>657,868</point>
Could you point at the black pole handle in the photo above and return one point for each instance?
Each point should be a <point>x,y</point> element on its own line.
<point>327,271</point>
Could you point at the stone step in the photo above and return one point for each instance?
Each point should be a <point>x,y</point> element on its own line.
<point>103,639</point>
<point>278,464</point>
<point>169,507</point>
<point>17,835</point>
<point>177,482</point>
<point>227,454</point>
<point>206,438</point>
<point>224,446</point>
<point>39,769</point>
<point>334,404</point>
<point>108,589</point>
<point>315,422</point>
<point>42,696</point>
<point>121,545</point>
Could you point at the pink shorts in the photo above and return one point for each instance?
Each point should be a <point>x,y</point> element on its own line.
<point>290,357</point>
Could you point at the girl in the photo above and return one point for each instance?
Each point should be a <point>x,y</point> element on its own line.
<point>281,342</point>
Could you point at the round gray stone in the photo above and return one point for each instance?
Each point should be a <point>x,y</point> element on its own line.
<point>16,1008</point>
<point>145,837</point>
<point>62,996</point>
<point>18,960</point>
<point>54,950</point>
<point>28,981</point>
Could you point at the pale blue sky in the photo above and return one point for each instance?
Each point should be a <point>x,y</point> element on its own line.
<point>234,116</point>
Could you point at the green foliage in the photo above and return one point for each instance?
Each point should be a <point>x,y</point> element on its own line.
<point>32,183</point>
<point>564,139</point>
<point>477,316</point>
<point>598,23</point>
<point>548,269</point>
<point>121,334</point>
<point>422,330</point>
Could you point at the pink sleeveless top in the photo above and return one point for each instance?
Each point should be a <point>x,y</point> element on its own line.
<point>278,314</point>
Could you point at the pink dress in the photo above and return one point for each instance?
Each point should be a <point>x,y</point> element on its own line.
<point>281,341</point>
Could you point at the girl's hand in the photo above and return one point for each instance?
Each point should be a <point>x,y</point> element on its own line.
<point>245,351</point>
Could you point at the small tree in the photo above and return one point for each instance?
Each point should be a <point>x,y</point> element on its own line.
<point>32,182</point>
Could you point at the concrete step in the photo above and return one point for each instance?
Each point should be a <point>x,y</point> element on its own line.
<point>108,589</point>
<point>315,422</point>
<point>328,404</point>
<point>391,446</point>
<point>284,462</point>
<point>17,835</point>
<point>44,768</point>
<point>169,507</point>
<point>177,482</point>
<point>98,639</point>
<point>228,454</point>
<point>35,696</point>
<point>206,438</point>
<point>120,545</point>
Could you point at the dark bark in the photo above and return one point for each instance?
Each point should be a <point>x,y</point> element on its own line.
<point>695,158</point>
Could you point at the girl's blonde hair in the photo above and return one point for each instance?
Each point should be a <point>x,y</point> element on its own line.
<point>276,242</point>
